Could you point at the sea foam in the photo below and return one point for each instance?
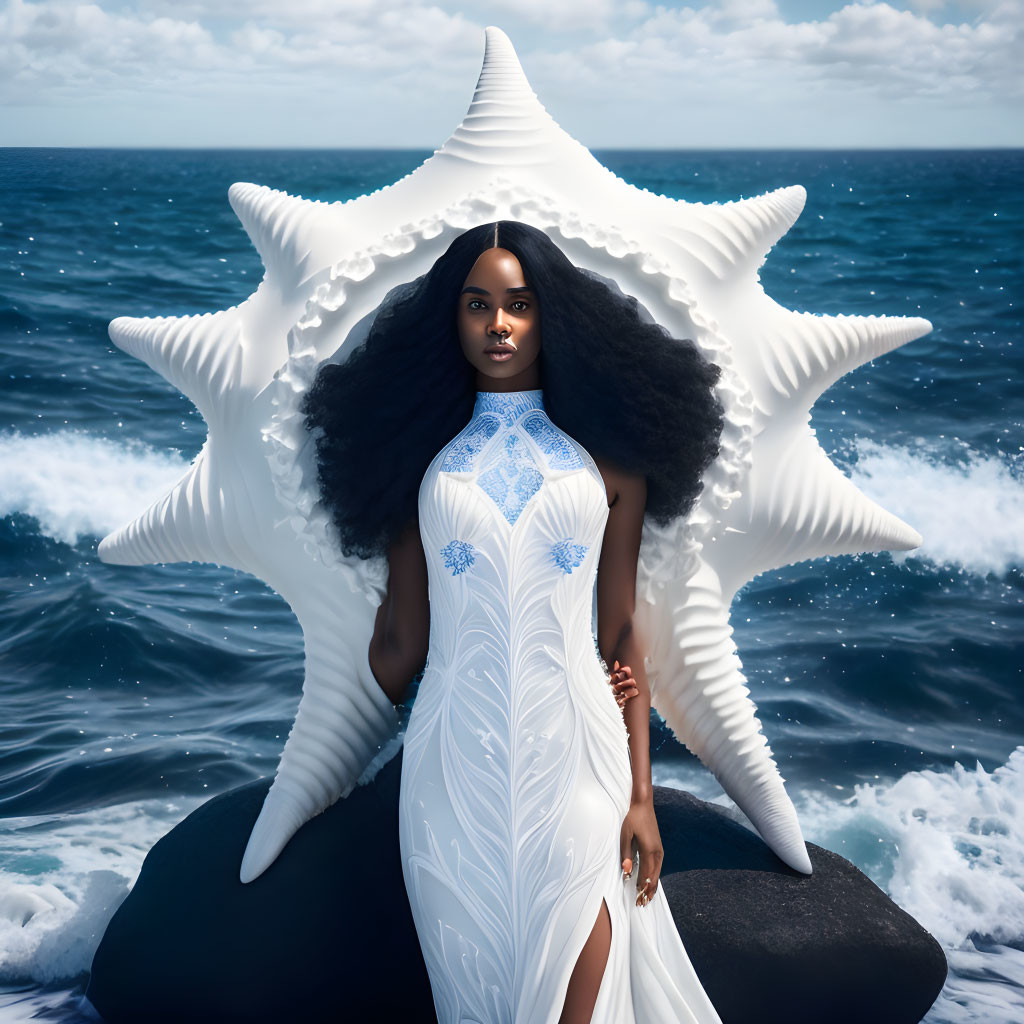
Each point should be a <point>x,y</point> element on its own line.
<point>968,507</point>
<point>63,876</point>
<point>948,847</point>
<point>77,485</point>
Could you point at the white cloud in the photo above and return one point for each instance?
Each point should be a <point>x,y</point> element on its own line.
<point>55,43</point>
<point>562,15</point>
<point>874,45</point>
<point>742,10</point>
<point>626,68</point>
<point>870,49</point>
<point>50,45</point>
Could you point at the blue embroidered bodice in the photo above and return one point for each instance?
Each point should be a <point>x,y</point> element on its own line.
<point>509,471</point>
<point>509,447</point>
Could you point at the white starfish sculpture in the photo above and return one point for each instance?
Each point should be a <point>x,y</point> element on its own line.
<point>249,500</point>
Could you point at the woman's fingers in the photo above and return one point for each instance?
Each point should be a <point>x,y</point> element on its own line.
<point>647,877</point>
<point>623,684</point>
<point>646,890</point>
<point>643,894</point>
<point>640,832</point>
<point>623,692</point>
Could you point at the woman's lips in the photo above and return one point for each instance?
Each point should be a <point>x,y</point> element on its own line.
<point>499,353</point>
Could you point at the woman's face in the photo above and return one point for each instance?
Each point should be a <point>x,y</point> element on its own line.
<point>498,317</point>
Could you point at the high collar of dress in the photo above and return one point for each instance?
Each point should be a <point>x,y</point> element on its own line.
<point>510,405</point>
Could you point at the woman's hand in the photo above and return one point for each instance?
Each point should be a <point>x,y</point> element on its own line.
<point>623,684</point>
<point>640,831</point>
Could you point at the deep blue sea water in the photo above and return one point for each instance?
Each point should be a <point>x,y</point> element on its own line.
<point>889,686</point>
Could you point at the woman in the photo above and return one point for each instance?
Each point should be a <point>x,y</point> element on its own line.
<point>530,846</point>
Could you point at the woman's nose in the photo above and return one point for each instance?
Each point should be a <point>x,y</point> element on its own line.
<point>499,325</point>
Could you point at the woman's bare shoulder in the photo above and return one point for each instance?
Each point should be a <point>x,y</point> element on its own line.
<point>621,484</point>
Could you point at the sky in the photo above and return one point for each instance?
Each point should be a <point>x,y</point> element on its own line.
<point>613,73</point>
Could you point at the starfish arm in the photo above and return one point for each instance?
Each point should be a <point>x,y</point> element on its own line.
<point>284,230</point>
<point>798,505</point>
<point>200,355</point>
<point>175,528</point>
<point>791,358</point>
<point>698,687</point>
<point>344,719</point>
<point>731,240</point>
<point>506,124</point>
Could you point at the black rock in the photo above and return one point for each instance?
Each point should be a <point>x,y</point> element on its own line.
<point>772,945</point>
<point>325,934</point>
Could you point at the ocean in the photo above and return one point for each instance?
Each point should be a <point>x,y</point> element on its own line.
<point>888,685</point>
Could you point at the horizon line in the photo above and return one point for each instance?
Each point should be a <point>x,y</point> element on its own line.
<point>605,149</point>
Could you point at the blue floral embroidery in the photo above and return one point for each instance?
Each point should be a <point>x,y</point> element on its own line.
<point>567,556</point>
<point>468,445</point>
<point>458,556</point>
<point>513,481</point>
<point>560,452</point>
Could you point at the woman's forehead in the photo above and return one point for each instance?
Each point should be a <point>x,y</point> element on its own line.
<point>496,264</point>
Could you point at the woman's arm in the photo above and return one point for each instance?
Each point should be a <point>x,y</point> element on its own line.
<point>398,648</point>
<point>617,641</point>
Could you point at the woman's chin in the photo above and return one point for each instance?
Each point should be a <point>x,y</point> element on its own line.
<point>499,371</point>
<point>505,370</point>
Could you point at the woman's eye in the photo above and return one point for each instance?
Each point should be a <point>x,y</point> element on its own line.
<point>520,306</point>
<point>475,304</point>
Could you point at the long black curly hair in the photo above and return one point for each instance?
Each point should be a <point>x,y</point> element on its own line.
<point>621,386</point>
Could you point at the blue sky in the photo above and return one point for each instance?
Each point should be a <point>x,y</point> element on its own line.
<point>627,73</point>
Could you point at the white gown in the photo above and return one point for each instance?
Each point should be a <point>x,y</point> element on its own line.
<point>516,774</point>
